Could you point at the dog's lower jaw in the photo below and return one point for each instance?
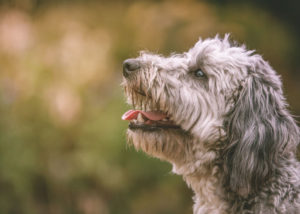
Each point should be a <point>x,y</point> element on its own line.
<point>170,146</point>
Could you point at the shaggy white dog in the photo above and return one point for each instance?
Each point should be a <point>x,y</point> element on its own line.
<point>218,114</point>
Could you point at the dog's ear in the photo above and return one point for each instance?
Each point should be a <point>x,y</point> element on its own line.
<point>260,131</point>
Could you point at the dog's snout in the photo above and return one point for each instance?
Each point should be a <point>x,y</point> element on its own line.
<point>129,66</point>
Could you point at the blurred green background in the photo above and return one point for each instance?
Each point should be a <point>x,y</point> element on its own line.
<point>62,143</point>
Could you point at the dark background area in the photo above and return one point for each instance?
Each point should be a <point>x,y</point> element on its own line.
<point>62,142</point>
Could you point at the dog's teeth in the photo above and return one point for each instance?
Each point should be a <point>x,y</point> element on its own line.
<point>140,118</point>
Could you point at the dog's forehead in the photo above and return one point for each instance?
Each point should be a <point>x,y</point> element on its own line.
<point>221,55</point>
<point>214,49</point>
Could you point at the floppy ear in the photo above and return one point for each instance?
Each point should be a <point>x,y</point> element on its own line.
<point>260,132</point>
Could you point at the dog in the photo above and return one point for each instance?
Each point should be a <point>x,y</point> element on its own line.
<point>217,113</point>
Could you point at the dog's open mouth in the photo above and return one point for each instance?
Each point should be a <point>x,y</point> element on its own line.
<point>149,120</point>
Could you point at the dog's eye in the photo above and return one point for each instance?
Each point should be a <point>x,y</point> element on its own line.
<point>199,73</point>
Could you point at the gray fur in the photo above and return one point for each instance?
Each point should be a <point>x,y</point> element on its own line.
<point>237,142</point>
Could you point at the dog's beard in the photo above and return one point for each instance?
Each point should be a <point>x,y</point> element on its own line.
<point>170,145</point>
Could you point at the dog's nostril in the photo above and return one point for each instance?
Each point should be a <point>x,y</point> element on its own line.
<point>129,66</point>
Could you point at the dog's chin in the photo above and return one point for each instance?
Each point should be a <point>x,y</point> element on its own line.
<point>164,142</point>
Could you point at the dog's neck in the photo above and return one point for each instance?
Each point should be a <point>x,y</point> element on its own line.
<point>208,193</point>
<point>208,188</point>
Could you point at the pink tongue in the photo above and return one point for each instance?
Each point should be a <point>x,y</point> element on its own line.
<point>151,115</point>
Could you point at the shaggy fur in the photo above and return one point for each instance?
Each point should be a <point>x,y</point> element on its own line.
<point>236,142</point>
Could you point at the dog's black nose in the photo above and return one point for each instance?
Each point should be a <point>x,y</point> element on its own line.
<point>129,66</point>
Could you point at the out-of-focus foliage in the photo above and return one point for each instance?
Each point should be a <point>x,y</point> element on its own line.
<point>62,143</point>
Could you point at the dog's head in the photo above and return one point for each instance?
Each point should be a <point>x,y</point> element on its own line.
<point>214,101</point>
